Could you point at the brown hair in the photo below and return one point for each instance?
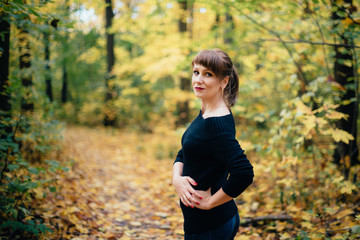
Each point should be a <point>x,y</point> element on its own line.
<point>221,65</point>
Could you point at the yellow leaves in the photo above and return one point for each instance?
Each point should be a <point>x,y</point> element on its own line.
<point>259,107</point>
<point>302,108</point>
<point>347,22</point>
<point>113,191</point>
<point>246,145</point>
<point>347,187</point>
<point>313,122</point>
<point>334,115</point>
<point>119,190</point>
<point>176,95</point>
<point>306,216</point>
<point>285,236</point>
<point>306,225</point>
<point>292,160</point>
<point>131,91</point>
<point>339,135</point>
<point>91,56</point>
<point>287,182</point>
<point>344,213</point>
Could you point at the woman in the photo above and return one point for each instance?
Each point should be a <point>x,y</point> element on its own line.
<point>211,168</point>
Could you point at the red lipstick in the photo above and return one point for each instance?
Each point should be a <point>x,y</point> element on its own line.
<point>199,88</point>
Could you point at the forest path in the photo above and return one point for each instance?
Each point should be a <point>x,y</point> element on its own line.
<point>116,188</point>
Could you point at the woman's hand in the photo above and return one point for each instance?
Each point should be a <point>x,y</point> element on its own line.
<point>188,195</point>
<point>209,201</point>
<point>204,201</point>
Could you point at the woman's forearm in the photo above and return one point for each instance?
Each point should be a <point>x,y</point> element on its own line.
<point>177,169</point>
<point>220,197</point>
<point>209,201</point>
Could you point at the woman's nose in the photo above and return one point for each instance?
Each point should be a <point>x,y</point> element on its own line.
<point>198,78</point>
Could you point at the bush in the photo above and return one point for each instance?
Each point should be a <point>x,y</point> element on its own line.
<point>24,144</point>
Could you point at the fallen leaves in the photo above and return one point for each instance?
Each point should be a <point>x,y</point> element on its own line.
<point>116,189</point>
<point>119,187</point>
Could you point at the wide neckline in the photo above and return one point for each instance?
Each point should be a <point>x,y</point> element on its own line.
<point>201,115</point>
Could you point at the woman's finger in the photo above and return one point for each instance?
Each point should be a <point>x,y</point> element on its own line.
<point>183,200</point>
<point>191,181</point>
<point>188,202</point>
<point>193,200</point>
<point>195,193</point>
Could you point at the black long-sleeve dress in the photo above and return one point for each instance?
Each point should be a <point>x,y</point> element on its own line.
<point>213,158</point>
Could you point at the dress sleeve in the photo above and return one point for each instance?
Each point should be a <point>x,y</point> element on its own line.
<point>179,157</point>
<point>227,149</point>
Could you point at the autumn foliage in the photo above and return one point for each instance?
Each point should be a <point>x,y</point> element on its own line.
<point>64,176</point>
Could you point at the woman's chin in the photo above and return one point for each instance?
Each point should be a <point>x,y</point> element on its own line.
<point>199,95</point>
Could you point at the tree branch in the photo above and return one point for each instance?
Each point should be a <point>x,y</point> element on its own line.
<point>321,33</point>
<point>308,42</point>
<point>272,32</point>
<point>249,220</point>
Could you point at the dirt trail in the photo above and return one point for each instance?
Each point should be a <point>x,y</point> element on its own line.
<point>116,189</point>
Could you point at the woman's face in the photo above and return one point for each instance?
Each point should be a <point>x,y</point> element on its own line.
<point>205,84</point>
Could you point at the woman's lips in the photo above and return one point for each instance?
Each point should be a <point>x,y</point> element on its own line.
<point>199,88</point>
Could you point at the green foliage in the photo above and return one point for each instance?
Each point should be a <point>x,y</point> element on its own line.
<point>22,173</point>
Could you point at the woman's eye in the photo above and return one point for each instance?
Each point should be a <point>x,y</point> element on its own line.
<point>209,74</point>
<point>196,72</point>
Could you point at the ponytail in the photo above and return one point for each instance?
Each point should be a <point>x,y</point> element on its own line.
<point>232,88</point>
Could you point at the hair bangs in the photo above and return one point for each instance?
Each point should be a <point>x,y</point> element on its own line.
<point>209,59</point>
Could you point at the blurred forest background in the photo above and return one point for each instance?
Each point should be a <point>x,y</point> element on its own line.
<point>97,93</point>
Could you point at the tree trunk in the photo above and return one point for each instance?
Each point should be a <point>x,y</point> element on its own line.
<point>27,104</point>
<point>64,87</point>
<point>182,19</point>
<point>47,65</point>
<point>5,105</point>
<point>345,155</point>
<point>110,118</point>
<point>183,107</point>
<point>229,28</point>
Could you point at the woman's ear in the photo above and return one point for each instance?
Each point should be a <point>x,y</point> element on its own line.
<point>224,82</point>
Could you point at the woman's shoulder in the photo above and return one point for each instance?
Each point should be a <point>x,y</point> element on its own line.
<point>220,125</point>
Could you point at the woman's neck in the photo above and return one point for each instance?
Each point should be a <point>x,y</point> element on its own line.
<point>214,108</point>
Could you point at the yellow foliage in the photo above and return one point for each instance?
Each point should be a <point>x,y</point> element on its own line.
<point>285,236</point>
<point>341,135</point>
<point>344,213</point>
<point>302,108</point>
<point>348,187</point>
<point>347,21</point>
<point>91,56</point>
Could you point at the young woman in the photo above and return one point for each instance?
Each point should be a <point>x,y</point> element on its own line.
<point>211,168</point>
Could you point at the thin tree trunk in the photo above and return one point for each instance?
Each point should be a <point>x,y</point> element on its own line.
<point>229,28</point>
<point>183,107</point>
<point>27,104</point>
<point>345,154</point>
<point>216,26</point>
<point>47,65</point>
<point>110,118</point>
<point>64,87</point>
<point>5,105</point>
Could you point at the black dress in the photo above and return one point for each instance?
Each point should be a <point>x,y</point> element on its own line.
<point>213,158</point>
